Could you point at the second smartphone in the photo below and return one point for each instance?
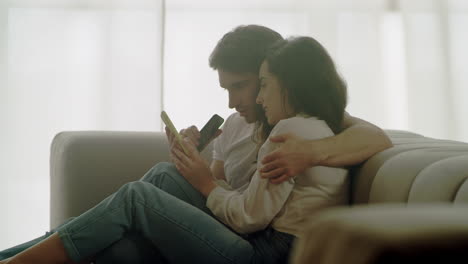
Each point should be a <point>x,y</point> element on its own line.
<point>209,130</point>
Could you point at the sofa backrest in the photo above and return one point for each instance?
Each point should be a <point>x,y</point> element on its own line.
<point>417,169</point>
<point>87,166</point>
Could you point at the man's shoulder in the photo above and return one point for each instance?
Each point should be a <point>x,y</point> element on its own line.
<point>235,129</point>
<point>235,122</point>
<point>237,118</point>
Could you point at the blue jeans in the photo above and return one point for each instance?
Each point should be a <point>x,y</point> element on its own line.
<point>133,248</point>
<point>167,211</point>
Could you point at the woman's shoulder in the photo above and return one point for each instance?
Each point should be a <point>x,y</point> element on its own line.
<point>306,127</point>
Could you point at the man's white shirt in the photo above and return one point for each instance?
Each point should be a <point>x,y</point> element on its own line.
<point>237,150</point>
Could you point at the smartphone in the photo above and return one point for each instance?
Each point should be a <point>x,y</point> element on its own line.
<point>165,118</point>
<point>209,130</point>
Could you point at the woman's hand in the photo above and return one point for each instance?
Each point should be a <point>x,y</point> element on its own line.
<point>193,167</point>
<point>191,133</point>
<point>293,157</point>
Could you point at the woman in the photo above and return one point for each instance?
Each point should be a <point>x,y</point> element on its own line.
<point>301,93</point>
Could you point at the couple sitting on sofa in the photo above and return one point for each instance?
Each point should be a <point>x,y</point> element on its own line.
<point>254,199</point>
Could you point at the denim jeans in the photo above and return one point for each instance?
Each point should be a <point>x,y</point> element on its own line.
<point>133,248</point>
<point>168,212</point>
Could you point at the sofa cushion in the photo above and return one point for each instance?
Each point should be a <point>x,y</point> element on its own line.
<point>416,170</point>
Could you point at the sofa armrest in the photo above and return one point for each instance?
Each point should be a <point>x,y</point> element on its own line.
<point>87,166</point>
<point>416,169</point>
<point>385,233</point>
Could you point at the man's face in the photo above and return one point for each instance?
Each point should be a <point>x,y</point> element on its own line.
<point>242,89</point>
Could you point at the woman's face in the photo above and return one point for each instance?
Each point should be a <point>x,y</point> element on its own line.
<point>271,98</point>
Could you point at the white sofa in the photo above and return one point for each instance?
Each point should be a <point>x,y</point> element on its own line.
<point>409,202</point>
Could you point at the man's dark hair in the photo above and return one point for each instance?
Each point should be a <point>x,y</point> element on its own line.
<point>243,49</point>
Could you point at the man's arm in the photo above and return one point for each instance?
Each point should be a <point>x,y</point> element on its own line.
<point>358,142</point>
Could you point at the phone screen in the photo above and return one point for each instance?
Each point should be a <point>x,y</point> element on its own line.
<point>167,121</point>
<point>209,130</point>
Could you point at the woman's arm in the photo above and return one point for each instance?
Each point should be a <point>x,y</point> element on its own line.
<point>256,207</point>
<point>217,168</point>
<point>358,142</point>
<point>245,212</point>
<point>253,209</point>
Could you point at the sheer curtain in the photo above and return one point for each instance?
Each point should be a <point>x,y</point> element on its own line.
<point>95,64</point>
<point>405,61</point>
<point>437,67</point>
<point>68,65</point>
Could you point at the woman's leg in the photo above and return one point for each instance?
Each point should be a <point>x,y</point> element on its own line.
<point>10,252</point>
<point>134,248</point>
<point>180,231</point>
<point>166,177</point>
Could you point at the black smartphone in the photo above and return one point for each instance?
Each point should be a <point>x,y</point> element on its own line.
<point>208,131</point>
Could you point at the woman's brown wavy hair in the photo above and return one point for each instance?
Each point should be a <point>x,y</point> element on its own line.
<point>309,80</point>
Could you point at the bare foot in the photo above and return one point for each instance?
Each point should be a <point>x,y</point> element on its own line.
<point>50,251</point>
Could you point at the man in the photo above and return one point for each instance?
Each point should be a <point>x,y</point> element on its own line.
<point>237,58</point>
